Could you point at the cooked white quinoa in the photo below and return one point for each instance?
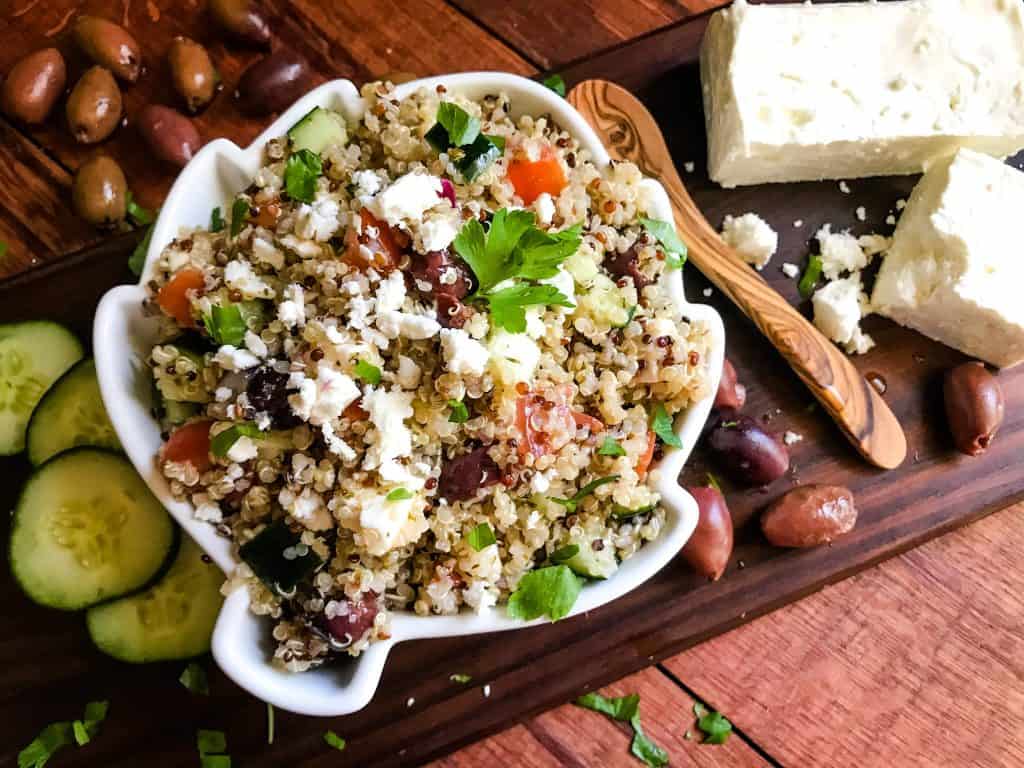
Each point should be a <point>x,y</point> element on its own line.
<point>332,445</point>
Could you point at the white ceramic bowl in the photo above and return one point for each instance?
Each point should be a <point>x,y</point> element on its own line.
<point>123,338</point>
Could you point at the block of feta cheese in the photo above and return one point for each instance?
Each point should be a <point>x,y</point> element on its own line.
<point>954,270</point>
<point>751,237</point>
<point>797,92</point>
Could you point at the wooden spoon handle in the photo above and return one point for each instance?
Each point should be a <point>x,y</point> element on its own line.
<point>630,133</point>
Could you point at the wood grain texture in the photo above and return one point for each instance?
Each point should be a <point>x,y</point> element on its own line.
<point>577,738</point>
<point>575,29</point>
<point>630,133</point>
<point>916,662</point>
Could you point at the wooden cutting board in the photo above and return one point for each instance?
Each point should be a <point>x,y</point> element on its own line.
<point>48,669</point>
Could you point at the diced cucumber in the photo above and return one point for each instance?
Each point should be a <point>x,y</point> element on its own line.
<point>255,313</point>
<point>87,529</point>
<point>70,414</point>
<point>177,413</point>
<point>32,356</point>
<point>604,303</point>
<point>592,563</point>
<point>181,379</point>
<point>173,619</point>
<point>319,129</point>
<point>265,553</point>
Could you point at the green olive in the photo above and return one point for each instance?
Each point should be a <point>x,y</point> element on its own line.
<point>99,192</point>
<point>33,85</point>
<point>94,106</point>
<point>110,45</point>
<point>192,73</point>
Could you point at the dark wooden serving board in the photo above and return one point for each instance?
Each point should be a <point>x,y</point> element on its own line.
<point>48,669</point>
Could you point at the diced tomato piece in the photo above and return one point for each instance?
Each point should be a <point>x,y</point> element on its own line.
<point>173,297</point>
<point>644,462</point>
<point>355,412</point>
<point>585,420</point>
<point>386,245</point>
<point>190,443</point>
<point>532,178</point>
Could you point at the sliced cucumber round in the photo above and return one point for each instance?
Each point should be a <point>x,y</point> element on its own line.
<point>32,356</point>
<point>70,414</point>
<point>173,619</point>
<point>86,529</point>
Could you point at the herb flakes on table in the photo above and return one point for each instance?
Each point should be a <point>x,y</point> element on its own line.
<point>627,709</point>
<point>714,725</point>
<point>193,677</point>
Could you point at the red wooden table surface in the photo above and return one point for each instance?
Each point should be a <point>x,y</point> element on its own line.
<point>918,662</point>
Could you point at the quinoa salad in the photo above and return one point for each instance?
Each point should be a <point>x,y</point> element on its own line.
<point>426,361</point>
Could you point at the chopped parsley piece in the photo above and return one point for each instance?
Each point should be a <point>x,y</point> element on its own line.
<point>661,423</point>
<point>456,128</point>
<point>270,723</point>
<point>137,260</point>
<point>194,678</point>
<point>141,216</point>
<point>715,726</point>
<point>481,537</point>
<point>212,745</point>
<point>221,443</point>
<point>239,210</point>
<point>550,591</point>
<point>300,174</point>
<point>225,324</point>
<point>627,709</point>
<point>86,728</point>
<point>809,280</point>
<point>459,414</point>
<point>571,503</point>
<point>460,126</point>
<point>217,222</point>
<point>80,733</point>
<point>334,740</point>
<point>460,677</point>
<point>568,552</point>
<point>622,512</point>
<point>611,447</point>
<point>672,261</point>
<point>399,494</point>
<point>665,234</point>
<point>368,372</point>
<point>479,155</point>
<point>51,739</point>
<point>508,306</point>
<point>556,83</point>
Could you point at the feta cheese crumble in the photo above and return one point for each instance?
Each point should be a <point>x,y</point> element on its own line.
<point>839,307</point>
<point>752,238</point>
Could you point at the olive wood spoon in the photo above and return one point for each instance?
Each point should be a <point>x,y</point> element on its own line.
<point>630,133</point>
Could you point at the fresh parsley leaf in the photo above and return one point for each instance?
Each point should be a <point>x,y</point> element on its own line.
<point>221,443</point>
<point>334,740</point>
<point>194,678</point>
<point>498,141</point>
<point>462,128</point>
<point>715,727</point>
<point>571,503</point>
<point>809,280</point>
<point>399,494</point>
<point>568,552</point>
<point>479,155</point>
<point>506,230</point>
<point>225,324</point>
<point>550,591</point>
<point>141,216</point>
<point>508,306</point>
<point>39,751</point>
<point>211,742</point>
<point>471,245</point>
<point>623,708</point>
<point>645,749</point>
<point>540,253</point>
<point>665,234</point>
<point>460,677</point>
<point>80,732</point>
<point>661,423</point>
<point>672,261</point>
<point>713,482</point>
<point>368,372</point>
<point>459,414</point>
<point>611,447</point>
<point>137,261</point>
<point>481,537</point>
<point>300,174</point>
<point>239,210</point>
<point>556,83</point>
<point>270,723</point>
<point>217,222</point>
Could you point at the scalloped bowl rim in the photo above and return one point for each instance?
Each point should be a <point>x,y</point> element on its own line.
<point>121,340</point>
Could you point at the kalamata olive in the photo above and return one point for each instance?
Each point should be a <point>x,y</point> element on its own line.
<point>709,548</point>
<point>731,394</point>
<point>464,475</point>
<point>809,515</point>
<point>192,73</point>
<point>242,20</point>
<point>170,134</point>
<point>267,390</point>
<point>33,86</point>
<point>974,406</point>
<point>99,192</point>
<point>273,82</point>
<point>348,627</point>
<point>110,45</point>
<point>94,106</point>
<point>748,452</point>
